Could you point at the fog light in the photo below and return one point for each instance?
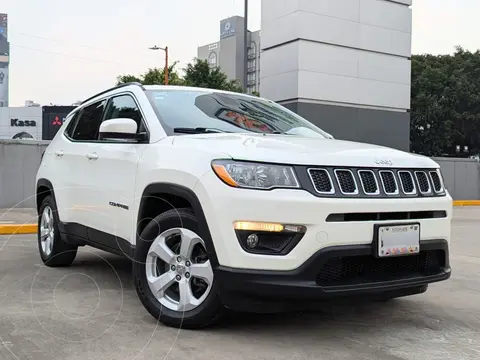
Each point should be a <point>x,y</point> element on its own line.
<point>252,241</point>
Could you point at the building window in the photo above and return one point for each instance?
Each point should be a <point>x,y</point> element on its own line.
<point>252,76</point>
<point>252,63</point>
<point>252,50</point>
<point>212,59</point>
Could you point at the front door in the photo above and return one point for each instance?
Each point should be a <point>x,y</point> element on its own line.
<point>114,163</point>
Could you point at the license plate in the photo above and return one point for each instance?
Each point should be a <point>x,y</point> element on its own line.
<point>398,240</point>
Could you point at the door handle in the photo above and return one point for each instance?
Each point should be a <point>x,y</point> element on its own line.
<point>59,153</point>
<point>92,156</point>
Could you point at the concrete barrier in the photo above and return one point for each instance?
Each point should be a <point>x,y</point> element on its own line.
<point>462,179</point>
<point>19,161</point>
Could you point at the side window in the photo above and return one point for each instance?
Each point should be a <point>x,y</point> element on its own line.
<point>88,122</point>
<point>71,125</point>
<point>124,106</point>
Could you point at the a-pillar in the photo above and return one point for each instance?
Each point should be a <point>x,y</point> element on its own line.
<point>342,64</point>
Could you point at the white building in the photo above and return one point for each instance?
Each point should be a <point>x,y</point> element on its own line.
<point>21,123</point>
<point>342,64</point>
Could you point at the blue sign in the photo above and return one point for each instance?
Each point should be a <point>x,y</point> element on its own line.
<point>227,29</point>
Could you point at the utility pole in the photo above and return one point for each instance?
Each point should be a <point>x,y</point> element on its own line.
<point>166,60</point>
<point>246,46</point>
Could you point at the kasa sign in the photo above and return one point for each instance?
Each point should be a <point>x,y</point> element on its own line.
<point>22,123</point>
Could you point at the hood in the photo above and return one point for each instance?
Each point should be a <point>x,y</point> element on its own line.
<point>297,150</point>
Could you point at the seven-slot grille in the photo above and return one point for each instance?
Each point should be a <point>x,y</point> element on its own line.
<point>321,181</point>
<point>389,183</point>
<point>436,181</point>
<point>423,183</point>
<point>371,182</point>
<point>406,179</point>
<point>346,181</point>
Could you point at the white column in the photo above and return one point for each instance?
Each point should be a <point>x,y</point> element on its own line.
<point>341,52</point>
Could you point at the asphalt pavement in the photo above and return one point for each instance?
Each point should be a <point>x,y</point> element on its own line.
<point>91,311</point>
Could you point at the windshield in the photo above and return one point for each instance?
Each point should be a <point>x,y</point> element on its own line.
<point>225,112</point>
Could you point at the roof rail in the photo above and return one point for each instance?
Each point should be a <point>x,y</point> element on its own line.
<point>113,88</point>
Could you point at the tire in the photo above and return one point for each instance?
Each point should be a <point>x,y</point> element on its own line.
<point>53,250</point>
<point>210,310</point>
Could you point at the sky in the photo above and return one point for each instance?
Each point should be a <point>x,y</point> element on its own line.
<point>66,50</point>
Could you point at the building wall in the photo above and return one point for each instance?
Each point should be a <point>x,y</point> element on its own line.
<point>229,52</point>
<point>338,55</point>
<point>4,60</point>
<point>16,120</point>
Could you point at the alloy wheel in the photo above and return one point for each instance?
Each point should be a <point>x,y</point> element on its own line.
<point>47,231</point>
<point>178,271</point>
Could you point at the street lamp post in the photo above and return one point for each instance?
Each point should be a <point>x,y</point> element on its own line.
<point>166,60</point>
<point>246,46</point>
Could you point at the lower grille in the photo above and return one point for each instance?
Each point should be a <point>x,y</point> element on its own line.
<point>353,270</point>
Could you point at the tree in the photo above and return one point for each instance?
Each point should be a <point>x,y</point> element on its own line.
<point>201,74</point>
<point>445,103</point>
<point>155,76</point>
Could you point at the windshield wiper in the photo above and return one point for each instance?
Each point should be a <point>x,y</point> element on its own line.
<point>198,130</point>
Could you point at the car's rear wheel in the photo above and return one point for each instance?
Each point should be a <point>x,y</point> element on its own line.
<point>173,275</point>
<point>53,250</point>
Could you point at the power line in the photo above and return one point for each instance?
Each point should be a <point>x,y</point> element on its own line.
<point>60,41</point>
<point>67,55</point>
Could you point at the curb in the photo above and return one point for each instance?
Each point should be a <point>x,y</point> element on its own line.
<point>15,229</point>
<point>19,229</point>
<point>466,203</point>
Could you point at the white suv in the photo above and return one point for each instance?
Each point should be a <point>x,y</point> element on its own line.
<point>228,201</point>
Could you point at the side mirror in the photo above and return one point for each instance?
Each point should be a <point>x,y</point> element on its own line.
<point>118,129</point>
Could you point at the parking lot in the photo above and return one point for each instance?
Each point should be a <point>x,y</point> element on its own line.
<point>91,311</point>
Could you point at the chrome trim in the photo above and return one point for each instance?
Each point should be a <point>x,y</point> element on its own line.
<point>374,178</point>
<point>442,186</point>
<point>329,178</point>
<point>414,192</point>
<point>354,181</point>
<point>394,179</point>
<point>418,183</point>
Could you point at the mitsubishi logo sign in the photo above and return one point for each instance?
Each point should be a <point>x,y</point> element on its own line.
<point>56,121</point>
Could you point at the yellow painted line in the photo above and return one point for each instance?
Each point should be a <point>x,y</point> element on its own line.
<point>14,229</point>
<point>466,203</point>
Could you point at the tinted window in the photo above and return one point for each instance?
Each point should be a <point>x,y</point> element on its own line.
<point>72,124</point>
<point>88,122</point>
<point>228,112</point>
<point>125,107</point>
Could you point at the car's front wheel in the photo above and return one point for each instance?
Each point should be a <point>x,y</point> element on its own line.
<point>173,275</point>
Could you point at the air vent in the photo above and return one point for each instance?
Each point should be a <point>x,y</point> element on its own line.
<point>408,185</point>
<point>369,182</point>
<point>389,182</point>
<point>423,183</point>
<point>321,181</point>
<point>346,181</point>
<point>436,181</point>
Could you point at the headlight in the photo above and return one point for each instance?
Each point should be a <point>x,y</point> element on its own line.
<point>255,175</point>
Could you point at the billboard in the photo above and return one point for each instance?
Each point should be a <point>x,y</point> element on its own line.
<point>3,84</point>
<point>52,119</point>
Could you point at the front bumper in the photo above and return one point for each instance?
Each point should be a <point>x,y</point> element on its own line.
<point>224,205</point>
<point>339,271</point>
